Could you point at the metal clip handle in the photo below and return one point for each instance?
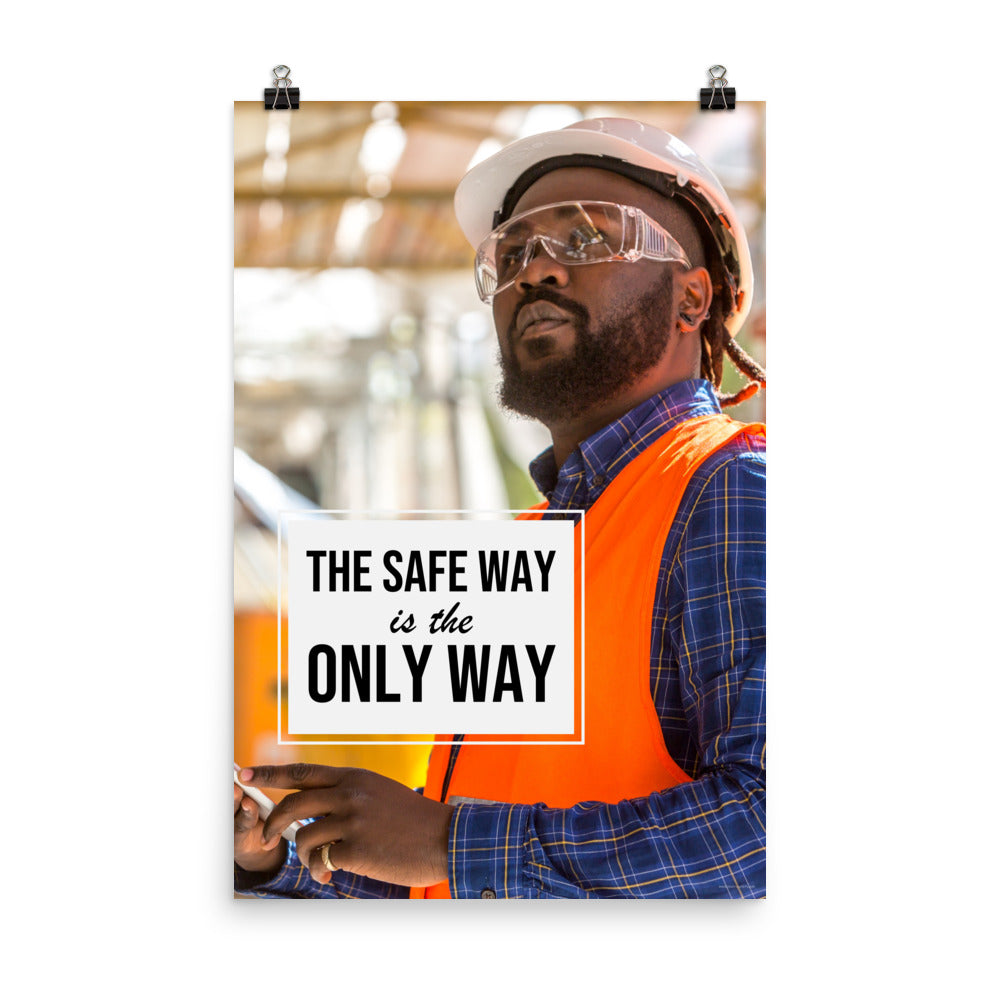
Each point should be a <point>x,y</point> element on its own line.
<point>717,74</point>
<point>282,80</point>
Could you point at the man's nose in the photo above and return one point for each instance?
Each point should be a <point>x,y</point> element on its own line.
<point>541,269</point>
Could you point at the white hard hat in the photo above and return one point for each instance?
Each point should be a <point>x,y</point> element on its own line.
<point>483,190</point>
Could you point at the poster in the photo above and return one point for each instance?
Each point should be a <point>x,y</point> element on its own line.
<point>366,367</point>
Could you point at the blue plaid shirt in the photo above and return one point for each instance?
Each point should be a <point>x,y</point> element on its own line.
<point>702,839</point>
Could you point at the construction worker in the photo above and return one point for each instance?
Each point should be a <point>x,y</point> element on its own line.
<point>618,275</point>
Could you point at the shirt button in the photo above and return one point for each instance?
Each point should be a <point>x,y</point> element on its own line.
<point>487,894</point>
<point>599,480</point>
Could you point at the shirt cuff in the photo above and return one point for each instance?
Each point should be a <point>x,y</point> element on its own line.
<point>487,856</point>
<point>290,880</point>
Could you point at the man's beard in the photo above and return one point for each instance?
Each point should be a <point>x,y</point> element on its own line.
<point>601,364</point>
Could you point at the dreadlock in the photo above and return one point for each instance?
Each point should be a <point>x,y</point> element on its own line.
<point>715,338</point>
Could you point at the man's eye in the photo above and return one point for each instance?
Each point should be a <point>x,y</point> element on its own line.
<point>583,237</point>
<point>510,257</point>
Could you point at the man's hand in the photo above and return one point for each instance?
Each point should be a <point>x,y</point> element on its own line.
<point>248,849</point>
<point>375,826</point>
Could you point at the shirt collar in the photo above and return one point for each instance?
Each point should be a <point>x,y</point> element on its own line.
<point>598,459</point>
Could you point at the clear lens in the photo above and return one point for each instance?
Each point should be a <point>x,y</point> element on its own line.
<point>571,232</point>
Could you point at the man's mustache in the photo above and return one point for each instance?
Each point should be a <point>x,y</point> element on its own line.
<point>578,312</point>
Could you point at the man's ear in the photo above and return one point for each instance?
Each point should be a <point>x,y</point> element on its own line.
<point>694,296</point>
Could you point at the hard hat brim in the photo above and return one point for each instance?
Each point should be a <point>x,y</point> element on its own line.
<point>481,191</point>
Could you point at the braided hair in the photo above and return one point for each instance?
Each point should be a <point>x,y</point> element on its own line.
<point>716,340</point>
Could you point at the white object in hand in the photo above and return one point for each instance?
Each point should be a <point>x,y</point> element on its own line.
<point>265,805</point>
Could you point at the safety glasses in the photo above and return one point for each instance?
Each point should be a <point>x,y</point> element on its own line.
<point>571,232</point>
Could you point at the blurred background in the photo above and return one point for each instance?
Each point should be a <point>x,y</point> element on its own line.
<point>364,361</point>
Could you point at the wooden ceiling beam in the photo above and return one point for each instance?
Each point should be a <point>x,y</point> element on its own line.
<point>342,194</point>
<point>340,132</point>
<point>389,269</point>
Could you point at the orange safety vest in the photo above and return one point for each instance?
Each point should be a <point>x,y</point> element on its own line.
<point>624,755</point>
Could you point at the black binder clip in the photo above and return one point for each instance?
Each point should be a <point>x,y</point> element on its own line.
<point>281,97</point>
<point>719,97</point>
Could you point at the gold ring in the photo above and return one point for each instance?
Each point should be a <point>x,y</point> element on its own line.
<point>325,855</point>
